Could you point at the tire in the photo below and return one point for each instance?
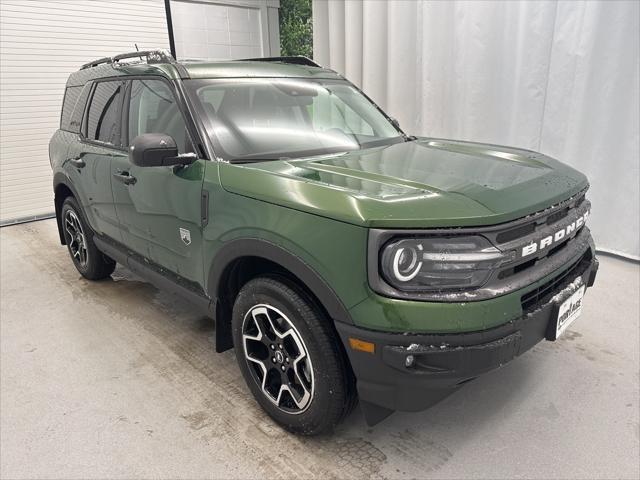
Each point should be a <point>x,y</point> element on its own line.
<point>89,261</point>
<point>319,385</point>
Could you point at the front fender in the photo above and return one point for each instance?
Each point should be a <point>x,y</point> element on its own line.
<point>257,247</point>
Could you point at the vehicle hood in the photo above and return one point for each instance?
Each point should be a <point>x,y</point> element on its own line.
<point>422,183</point>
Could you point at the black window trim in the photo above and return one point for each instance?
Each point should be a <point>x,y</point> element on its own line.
<point>64,97</point>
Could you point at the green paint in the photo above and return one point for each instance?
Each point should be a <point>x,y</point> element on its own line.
<point>318,209</point>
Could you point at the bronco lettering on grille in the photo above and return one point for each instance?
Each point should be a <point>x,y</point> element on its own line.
<point>549,240</point>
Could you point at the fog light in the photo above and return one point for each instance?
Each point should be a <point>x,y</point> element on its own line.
<point>408,362</point>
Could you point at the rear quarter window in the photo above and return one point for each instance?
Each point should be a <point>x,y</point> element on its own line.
<point>71,96</point>
<point>75,100</point>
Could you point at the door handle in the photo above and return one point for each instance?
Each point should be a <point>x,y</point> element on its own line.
<point>77,162</point>
<point>125,178</point>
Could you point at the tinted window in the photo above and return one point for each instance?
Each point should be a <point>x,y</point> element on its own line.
<point>78,112</point>
<point>153,109</point>
<point>104,112</point>
<point>71,95</point>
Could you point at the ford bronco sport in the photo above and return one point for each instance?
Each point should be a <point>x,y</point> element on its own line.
<point>340,257</point>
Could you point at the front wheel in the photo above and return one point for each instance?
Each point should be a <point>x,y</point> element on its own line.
<point>290,358</point>
<point>88,260</point>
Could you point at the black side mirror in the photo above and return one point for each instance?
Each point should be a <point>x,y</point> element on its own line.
<point>157,150</point>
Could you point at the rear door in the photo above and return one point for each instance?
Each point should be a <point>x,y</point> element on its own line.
<point>89,160</point>
<point>159,208</point>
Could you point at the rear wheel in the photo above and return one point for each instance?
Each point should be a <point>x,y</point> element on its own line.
<point>89,261</point>
<point>290,358</point>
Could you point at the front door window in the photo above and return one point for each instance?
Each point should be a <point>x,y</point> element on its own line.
<point>153,109</point>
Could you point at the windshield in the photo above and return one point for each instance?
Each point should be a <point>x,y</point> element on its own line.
<point>274,118</point>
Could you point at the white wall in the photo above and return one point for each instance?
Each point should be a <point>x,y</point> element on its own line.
<point>558,77</point>
<point>221,30</point>
<point>41,43</point>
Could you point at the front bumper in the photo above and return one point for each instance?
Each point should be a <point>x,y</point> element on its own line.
<point>440,363</point>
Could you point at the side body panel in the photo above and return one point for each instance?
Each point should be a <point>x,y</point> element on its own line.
<point>58,148</point>
<point>160,214</point>
<point>335,250</point>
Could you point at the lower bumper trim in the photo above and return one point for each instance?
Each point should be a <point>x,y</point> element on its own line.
<point>465,362</point>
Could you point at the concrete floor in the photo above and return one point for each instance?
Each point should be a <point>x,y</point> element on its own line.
<point>119,380</point>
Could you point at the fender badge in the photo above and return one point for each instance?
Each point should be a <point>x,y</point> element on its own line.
<point>185,235</point>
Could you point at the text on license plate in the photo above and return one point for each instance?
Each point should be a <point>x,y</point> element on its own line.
<point>568,311</point>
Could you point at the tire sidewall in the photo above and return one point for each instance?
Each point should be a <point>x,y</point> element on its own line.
<point>71,205</point>
<point>98,265</point>
<point>257,292</point>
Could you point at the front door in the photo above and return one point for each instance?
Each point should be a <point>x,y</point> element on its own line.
<point>159,207</point>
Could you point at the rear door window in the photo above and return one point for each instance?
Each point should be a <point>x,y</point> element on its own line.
<point>103,123</point>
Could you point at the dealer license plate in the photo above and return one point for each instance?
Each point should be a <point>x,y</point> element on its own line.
<point>567,312</point>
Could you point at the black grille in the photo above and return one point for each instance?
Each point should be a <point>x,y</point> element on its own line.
<point>532,300</point>
<point>554,217</point>
<point>514,233</point>
<point>507,272</point>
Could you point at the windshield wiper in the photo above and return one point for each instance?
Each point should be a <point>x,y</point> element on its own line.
<point>241,160</point>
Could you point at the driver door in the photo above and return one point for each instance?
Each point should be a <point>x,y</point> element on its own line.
<point>158,208</point>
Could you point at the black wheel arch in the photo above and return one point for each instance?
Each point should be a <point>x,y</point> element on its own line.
<point>62,189</point>
<point>263,257</point>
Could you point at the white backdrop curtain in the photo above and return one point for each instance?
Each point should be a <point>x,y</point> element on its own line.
<point>562,78</point>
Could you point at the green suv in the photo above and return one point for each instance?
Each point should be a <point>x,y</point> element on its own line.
<point>342,259</point>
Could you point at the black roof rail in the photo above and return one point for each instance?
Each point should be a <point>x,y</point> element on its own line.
<point>296,60</point>
<point>150,56</point>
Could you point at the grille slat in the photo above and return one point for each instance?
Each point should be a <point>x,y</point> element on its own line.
<point>532,300</point>
<point>516,233</point>
<point>554,217</point>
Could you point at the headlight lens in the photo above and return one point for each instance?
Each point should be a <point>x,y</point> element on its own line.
<point>440,263</point>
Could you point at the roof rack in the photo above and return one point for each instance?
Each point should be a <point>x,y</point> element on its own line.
<point>296,60</point>
<point>151,56</point>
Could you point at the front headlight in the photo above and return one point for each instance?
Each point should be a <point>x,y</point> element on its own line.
<point>440,263</point>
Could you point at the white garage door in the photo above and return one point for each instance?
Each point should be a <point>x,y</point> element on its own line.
<point>41,43</point>
<point>215,30</point>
